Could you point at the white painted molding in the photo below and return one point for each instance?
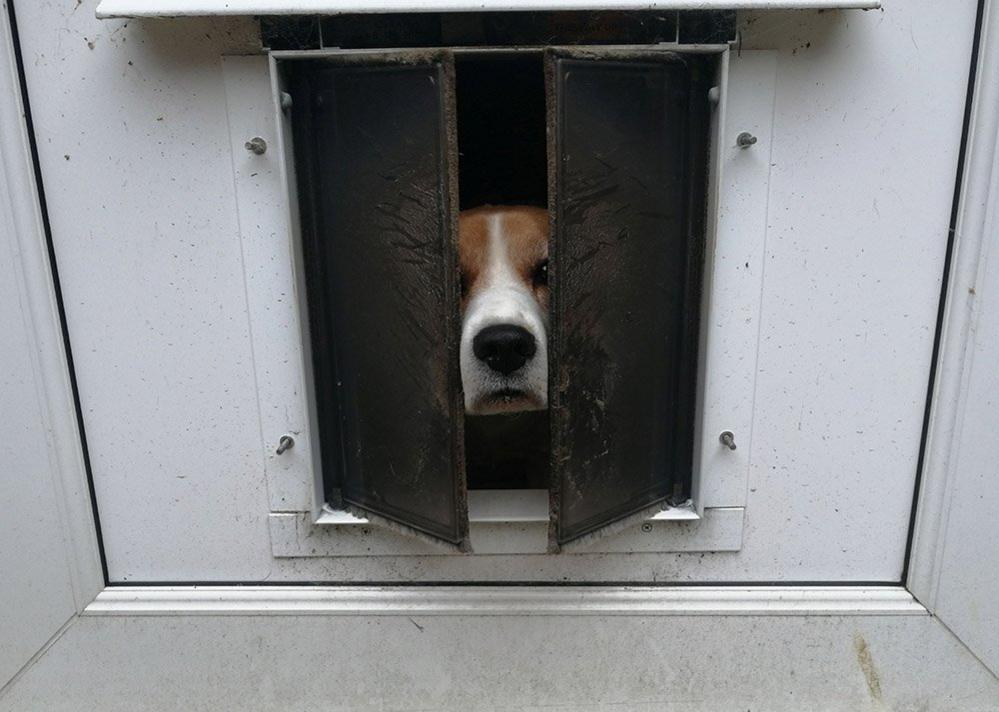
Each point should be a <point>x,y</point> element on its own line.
<point>504,600</point>
<point>19,196</point>
<point>174,8</point>
<point>978,220</point>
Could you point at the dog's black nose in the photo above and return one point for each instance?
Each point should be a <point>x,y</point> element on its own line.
<point>504,347</point>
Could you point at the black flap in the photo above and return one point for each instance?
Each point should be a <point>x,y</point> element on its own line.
<point>625,275</point>
<point>375,140</point>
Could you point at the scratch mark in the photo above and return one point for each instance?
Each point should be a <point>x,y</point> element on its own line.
<point>419,627</point>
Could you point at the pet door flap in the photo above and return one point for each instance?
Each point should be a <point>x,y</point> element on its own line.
<point>624,276</point>
<point>374,140</point>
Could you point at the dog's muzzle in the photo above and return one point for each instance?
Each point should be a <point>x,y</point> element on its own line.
<point>504,358</point>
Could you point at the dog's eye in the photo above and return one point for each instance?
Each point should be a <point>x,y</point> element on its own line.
<point>541,273</point>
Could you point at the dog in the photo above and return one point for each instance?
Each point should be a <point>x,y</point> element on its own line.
<point>503,256</point>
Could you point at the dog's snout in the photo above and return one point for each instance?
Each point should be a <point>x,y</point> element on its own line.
<point>504,347</point>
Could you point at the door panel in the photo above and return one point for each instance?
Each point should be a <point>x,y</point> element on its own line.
<point>375,140</point>
<point>625,275</point>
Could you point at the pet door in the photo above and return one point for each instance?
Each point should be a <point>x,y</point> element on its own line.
<point>627,159</point>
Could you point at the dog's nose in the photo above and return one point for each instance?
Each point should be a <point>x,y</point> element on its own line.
<point>504,347</point>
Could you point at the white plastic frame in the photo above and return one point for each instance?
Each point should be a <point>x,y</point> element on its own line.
<point>265,189</point>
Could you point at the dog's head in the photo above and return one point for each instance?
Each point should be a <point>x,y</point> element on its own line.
<point>503,252</point>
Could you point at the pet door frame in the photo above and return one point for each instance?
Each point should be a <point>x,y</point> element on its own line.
<point>505,522</point>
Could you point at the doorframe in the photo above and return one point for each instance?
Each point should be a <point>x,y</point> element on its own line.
<point>22,204</point>
<point>975,220</point>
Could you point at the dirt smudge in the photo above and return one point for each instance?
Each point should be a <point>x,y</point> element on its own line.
<point>866,662</point>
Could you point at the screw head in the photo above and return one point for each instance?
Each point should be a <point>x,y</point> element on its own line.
<point>256,145</point>
<point>647,527</point>
<point>284,444</point>
<point>745,140</point>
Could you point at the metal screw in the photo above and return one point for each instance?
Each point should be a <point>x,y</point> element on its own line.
<point>256,145</point>
<point>727,439</point>
<point>647,527</point>
<point>286,102</point>
<point>284,444</point>
<point>745,140</point>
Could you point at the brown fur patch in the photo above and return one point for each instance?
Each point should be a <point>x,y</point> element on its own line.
<point>525,230</point>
